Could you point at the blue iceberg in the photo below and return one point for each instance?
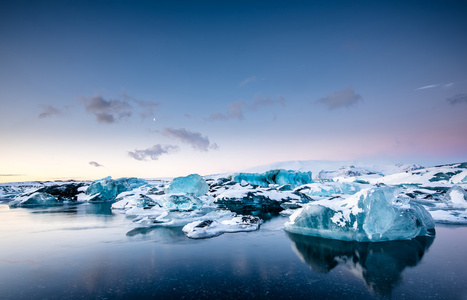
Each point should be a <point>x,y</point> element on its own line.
<point>192,184</point>
<point>330,189</point>
<point>35,199</point>
<point>371,215</point>
<point>281,177</point>
<point>107,189</point>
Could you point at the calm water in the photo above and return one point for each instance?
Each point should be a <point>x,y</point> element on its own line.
<point>85,251</point>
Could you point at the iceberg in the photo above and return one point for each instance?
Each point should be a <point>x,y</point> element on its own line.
<point>210,228</point>
<point>50,195</point>
<point>281,177</point>
<point>329,189</point>
<point>35,199</point>
<point>191,184</point>
<point>180,202</point>
<point>371,215</point>
<point>456,197</point>
<point>108,189</point>
<point>257,201</point>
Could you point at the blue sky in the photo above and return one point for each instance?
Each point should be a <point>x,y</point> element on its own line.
<point>168,88</point>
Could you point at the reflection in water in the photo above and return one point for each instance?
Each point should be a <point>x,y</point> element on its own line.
<point>74,209</point>
<point>379,264</point>
<point>159,234</point>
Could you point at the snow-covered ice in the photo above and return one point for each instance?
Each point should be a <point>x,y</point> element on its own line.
<point>369,215</point>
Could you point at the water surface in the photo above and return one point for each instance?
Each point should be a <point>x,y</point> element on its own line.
<point>85,251</point>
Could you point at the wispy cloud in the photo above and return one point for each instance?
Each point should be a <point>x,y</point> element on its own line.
<point>11,175</point>
<point>237,109</point>
<point>154,152</point>
<point>247,80</point>
<point>343,98</point>
<point>448,85</point>
<point>95,164</point>
<point>234,111</point>
<point>195,139</point>
<point>428,87</point>
<point>460,98</point>
<point>147,108</point>
<point>111,111</point>
<point>48,111</point>
<point>260,102</point>
<point>431,86</point>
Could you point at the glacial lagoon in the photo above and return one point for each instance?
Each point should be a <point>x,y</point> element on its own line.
<point>90,251</point>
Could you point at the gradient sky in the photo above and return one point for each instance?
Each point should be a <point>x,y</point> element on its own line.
<point>168,88</point>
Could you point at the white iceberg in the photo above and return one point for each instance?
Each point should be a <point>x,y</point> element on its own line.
<point>210,228</point>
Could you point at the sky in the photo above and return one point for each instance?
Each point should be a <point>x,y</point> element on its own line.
<point>153,89</point>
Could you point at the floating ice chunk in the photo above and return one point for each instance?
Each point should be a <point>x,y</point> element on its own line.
<point>35,199</point>
<point>450,216</point>
<point>107,189</point>
<point>280,177</point>
<point>456,197</point>
<point>255,201</point>
<point>210,228</point>
<point>49,195</point>
<point>191,184</point>
<point>184,202</point>
<point>127,200</point>
<point>292,177</point>
<point>9,192</point>
<point>329,189</point>
<point>179,202</point>
<point>368,215</point>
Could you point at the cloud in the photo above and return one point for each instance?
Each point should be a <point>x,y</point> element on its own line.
<point>431,86</point>
<point>107,111</point>
<point>346,97</point>
<point>236,110</point>
<point>113,110</point>
<point>95,164</point>
<point>147,108</point>
<point>448,85</point>
<point>457,99</point>
<point>11,175</point>
<point>263,102</point>
<point>427,87</point>
<point>49,111</point>
<point>247,80</point>
<point>154,152</point>
<point>195,139</point>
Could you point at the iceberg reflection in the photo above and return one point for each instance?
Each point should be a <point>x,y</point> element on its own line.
<point>380,264</point>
